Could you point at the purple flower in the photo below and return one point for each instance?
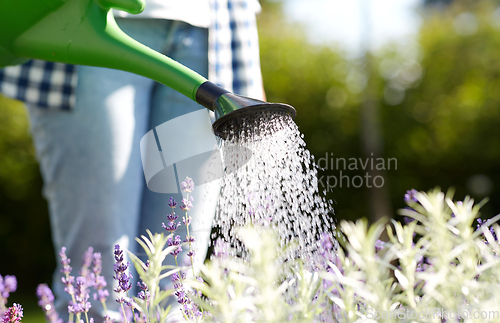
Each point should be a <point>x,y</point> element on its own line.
<point>187,185</point>
<point>13,314</point>
<point>142,285</point>
<point>99,282</point>
<point>67,279</point>
<point>408,220</point>
<point>87,258</point>
<point>172,203</point>
<point>171,227</point>
<point>144,293</point>
<point>177,278</point>
<point>171,217</point>
<point>190,239</point>
<point>379,245</point>
<point>65,261</point>
<point>120,268</point>
<point>81,296</point>
<point>411,195</point>
<point>69,284</point>
<point>181,297</point>
<point>186,220</point>
<point>118,253</point>
<point>492,231</point>
<point>176,251</point>
<point>191,253</point>
<point>46,302</point>
<point>174,241</point>
<point>326,243</point>
<point>97,262</point>
<point>8,284</point>
<point>187,204</point>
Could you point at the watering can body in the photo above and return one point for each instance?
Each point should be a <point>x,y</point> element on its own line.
<point>84,32</point>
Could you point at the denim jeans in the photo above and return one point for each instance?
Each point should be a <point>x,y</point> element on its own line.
<point>90,157</point>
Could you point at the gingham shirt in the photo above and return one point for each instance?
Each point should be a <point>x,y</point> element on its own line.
<point>233,57</point>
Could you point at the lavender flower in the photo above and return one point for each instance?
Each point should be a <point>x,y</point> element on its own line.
<point>411,196</point>
<point>99,282</point>
<point>171,227</point>
<point>200,280</point>
<point>190,239</point>
<point>67,279</point>
<point>181,296</point>
<point>81,304</point>
<point>408,220</point>
<point>379,245</point>
<point>492,231</point>
<point>171,217</point>
<point>120,268</point>
<point>186,220</point>
<point>8,284</point>
<point>144,293</point>
<point>187,185</point>
<point>172,203</point>
<point>326,251</point>
<point>13,314</point>
<point>175,242</point>
<point>187,204</point>
<point>65,261</point>
<point>326,242</point>
<point>188,308</point>
<point>124,284</point>
<point>46,302</point>
<point>177,278</point>
<point>87,262</point>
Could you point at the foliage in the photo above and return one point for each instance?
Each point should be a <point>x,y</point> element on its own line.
<point>258,290</point>
<point>436,268</point>
<point>437,97</point>
<point>23,211</point>
<point>442,127</point>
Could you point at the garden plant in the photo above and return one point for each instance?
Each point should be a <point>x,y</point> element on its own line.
<point>441,265</point>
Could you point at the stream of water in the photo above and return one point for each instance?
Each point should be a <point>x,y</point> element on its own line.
<point>270,180</point>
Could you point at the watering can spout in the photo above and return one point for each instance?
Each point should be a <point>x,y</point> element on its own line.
<point>84,32</point>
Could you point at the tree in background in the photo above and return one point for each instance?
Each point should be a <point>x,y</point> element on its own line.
<point>438,98</point>
<point>25,243</point>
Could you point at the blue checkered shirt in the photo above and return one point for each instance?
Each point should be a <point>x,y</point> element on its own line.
<point>233,57</point>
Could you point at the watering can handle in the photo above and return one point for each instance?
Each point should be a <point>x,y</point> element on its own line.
<point>85,32</point>
<point>130,6</point>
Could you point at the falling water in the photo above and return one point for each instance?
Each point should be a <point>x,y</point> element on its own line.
<point>271,180</point>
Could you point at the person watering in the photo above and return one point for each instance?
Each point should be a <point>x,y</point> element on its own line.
<point>91,126</point>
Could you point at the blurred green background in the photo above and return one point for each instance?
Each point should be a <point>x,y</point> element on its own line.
<point>432,104</point>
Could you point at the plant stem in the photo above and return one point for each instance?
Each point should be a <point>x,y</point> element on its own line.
<point>104,307</point>
<point>124,314</point>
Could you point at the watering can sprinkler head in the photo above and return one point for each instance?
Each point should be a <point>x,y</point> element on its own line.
<point>228,106</point>
<point>84,32</point>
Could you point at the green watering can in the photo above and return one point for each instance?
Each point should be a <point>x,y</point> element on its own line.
<point>84,32</point>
